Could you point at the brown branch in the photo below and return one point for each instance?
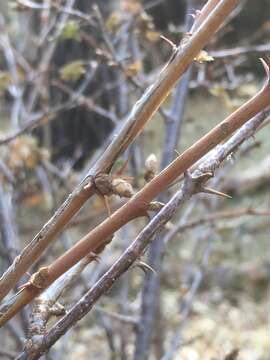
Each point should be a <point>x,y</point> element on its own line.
<point>141,113</point>
<point>44,304</point>
<point>137,206</point>
<point>200,16</point>
<point>151,309</point>
<point>192,185</point>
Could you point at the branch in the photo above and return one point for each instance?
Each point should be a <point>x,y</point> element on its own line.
<point>192,185</point>
<point>140,114</point>
<point>96,240</point>
<point>150,306</point>
<point>76,98</point>
<point>44,304</point>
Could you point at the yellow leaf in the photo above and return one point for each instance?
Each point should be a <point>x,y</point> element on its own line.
<point>113,21</point>
<point>71,30</point>
<point>5,80</point>
<point>217,90</point>
<point>72,71</point>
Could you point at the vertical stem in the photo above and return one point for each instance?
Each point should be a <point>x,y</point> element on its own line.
<point>151,306</point>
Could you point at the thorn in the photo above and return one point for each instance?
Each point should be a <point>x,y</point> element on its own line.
<point>95,257</point>
<point>145,267</point>
<point>231,158</point>
<point>266,65</point>
<point>20,290</point>
<point>123,167</point>
<point>105,200</point>
<point>155,206</point>
<point>215,192</point>
<point>201,177</point>
<point>196,14</point>
<point>23,287</point>
<point>87,186</point>
<point>171,43</point>
<point>147,215</point>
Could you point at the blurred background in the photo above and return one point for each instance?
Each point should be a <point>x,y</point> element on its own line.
<point>70,72</point>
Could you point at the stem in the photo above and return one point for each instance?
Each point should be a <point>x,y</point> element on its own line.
<point>140,114</point>
<point>138,204</point>
<point>151,309</point>
<point>125,261</point>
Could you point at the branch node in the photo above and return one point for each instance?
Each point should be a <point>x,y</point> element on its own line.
<point>38,280</point>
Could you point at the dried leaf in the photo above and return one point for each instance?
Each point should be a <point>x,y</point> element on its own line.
<point>152,35</point>
<point>122,188</point>
<point>134,68</point>
<point>151,167</point>
<point>132,7</point>
<point>203,56</point>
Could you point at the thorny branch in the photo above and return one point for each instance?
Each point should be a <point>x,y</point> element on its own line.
<point>138,205</point>
<point>151,289</point>
<point>46,306</point>
<point>141,113</point>
<point>192,184</point>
